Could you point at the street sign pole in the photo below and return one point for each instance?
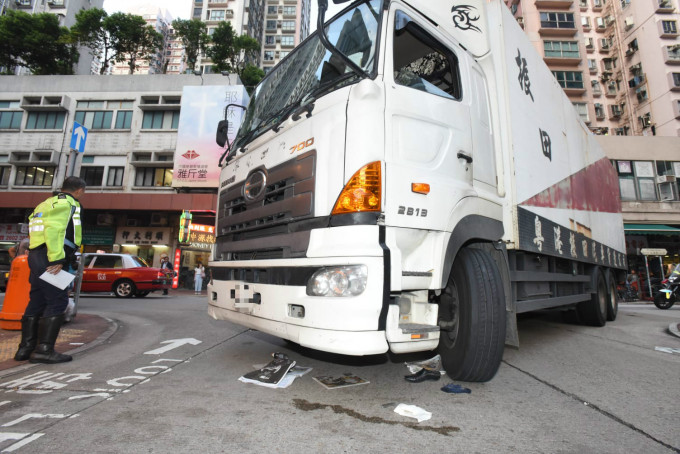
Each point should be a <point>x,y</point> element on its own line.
<point>73,155</point>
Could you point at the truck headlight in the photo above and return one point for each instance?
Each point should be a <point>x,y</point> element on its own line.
<point>338,281</point>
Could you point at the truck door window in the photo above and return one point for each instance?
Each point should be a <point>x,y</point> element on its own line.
<point>422,62</point>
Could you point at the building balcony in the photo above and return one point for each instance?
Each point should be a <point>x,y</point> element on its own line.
<point>552,29</point>
<point>55,4</point>
<point>288,30</point>
<point>598,5</point>
<point>218,4</point>
<point>671,54</point>
<point>554,4</point>
<point>562,61</point>
<point>23,3</point>
<point>665,7</point>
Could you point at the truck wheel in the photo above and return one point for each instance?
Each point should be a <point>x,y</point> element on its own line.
<point>612,299</point>
<point>124,288</point>
<point>472,318</point>
<point>594,311</point>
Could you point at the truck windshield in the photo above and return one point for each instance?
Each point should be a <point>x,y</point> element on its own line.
<point>312,70</point>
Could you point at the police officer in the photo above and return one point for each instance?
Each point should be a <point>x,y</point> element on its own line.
<point>55,236</point>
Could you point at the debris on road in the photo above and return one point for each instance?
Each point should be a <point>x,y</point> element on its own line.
<point>279,373</point>
<point>429,369</point>
<point>422,375</point>
<point>348,379</point>
<point>412,411</point>
<point>456,389</point>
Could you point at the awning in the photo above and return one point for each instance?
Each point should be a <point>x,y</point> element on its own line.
<point>650,229</point>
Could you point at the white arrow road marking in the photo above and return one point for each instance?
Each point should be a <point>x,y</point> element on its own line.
<point>31,416</point>
<point>15,436</point>
<point>667,349</point>
<point>173,343</point>
<point>85,396</point>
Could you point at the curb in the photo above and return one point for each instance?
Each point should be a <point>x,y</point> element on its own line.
<point>110,331</point>
<point>674,329</point>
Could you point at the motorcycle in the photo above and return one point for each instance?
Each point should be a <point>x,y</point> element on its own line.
<point>668,294</point>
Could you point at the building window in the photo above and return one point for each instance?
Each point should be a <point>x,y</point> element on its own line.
<point>636,181</point>
<point>287,41</point>
<point>4,175</point>
<point>161,119</point>
<point>272,9</point>
<point>585,21</point>
<point>288,25</point>
<point>45,120</point>
<point>34,176</point>
<point>92,175</point>
<point>115,176</point>
<point>153,177</point>
<point>582,109</point>
<point>561,49</point>
<point>10,120</point>
<point>123,119</point>
<point>95,119</point>
<point>289,11</point>
<point>592,65</point>
<point>569,79</point>
<point>669,27</point>
<point>217,14</point>
<point>271,25</point>
<point>268,55</point>
<point>557,20</point>
<point>282,54</point>
<point>270,40</point>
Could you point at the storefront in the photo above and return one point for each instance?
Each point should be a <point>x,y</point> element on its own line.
<point>652,236</point>
<point>197,250</point>
<point>98,238</point>
<point>11,234</point>
<point>148,243</point>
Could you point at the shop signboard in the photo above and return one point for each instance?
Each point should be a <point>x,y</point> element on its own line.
<point>650,251</point>
<point>202,236</point>
<point>12,232</point>
<point>197,153</point>
<point>98,235</point>
<point>143,236</point>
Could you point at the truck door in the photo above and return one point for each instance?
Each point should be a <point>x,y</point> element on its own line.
<point>428,126</point>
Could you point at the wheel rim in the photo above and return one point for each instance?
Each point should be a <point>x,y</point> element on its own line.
<point>450,304</point>
<point>124,288</point>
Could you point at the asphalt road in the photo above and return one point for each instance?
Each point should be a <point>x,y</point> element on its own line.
<point>568,389</point>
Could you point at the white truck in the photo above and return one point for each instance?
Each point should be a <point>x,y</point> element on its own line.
<point>410,180</point>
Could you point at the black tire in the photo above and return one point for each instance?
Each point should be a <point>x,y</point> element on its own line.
<point>594,311</point>
<point>124,288</point>
<point>612,299</point>
<point>472,316</point>
<point>662,302</point>
<point>142,294</point>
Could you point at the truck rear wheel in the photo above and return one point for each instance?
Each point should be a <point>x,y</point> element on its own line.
<point>472,317</point>
<point>612,299</point>
<point>594,311</point>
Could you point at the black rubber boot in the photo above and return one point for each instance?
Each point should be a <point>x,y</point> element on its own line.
<point>47,337</point>
<point>29,337</point>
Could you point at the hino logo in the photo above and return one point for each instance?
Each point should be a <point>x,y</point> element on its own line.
<point>255,185</point>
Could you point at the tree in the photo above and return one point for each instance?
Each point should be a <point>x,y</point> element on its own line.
<point>91,31</point>
<point>194,36</point>
<point>230,52</point>
<point>135,40</point>
<point>36,41</point>
<point>251,76</point>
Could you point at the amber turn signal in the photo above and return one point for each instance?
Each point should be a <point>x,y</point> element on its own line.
<point>362,192</point>
<point>420,188</point>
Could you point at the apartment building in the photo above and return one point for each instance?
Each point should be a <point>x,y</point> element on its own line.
<point>616,59</point>
<point>128,159</point>
<point>286,25</point>
<point>170,58</point>
<point>66,10</point>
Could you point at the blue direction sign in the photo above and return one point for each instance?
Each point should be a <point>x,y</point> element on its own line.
<point>78,137</point>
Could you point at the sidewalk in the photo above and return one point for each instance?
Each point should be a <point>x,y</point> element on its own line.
<point>83,333</point>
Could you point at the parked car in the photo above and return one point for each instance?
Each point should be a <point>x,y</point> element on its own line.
<point>123,274</point>
<point>5,263</point>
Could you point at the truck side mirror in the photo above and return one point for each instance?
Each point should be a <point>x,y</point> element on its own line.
<point>222,129</point>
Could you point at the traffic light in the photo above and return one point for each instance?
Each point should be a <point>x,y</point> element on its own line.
<point>184,227</point>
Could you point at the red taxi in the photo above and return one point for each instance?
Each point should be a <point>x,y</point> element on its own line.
<point>123,274</point>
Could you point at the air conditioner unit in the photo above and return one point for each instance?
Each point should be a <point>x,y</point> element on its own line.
<point>159,219</point>
<point>665,179</point>
<point>645,121</point>
<point>630,52</point>
<point>664,3</point>
<point>629,22</point>
<point>616,110</point>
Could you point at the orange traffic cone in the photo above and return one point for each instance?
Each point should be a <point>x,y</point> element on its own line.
<point>17,294</point>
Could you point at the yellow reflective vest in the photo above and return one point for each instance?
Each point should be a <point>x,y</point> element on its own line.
<point>49,222</point>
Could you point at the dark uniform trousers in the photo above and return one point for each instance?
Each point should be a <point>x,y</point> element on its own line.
<point>46,299</point>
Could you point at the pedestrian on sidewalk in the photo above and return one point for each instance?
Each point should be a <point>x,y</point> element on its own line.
<point>199,274</point>
<point>166,265</point>
<point>54,237</point>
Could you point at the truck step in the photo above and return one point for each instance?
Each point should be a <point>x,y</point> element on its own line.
<point>417,328</point>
